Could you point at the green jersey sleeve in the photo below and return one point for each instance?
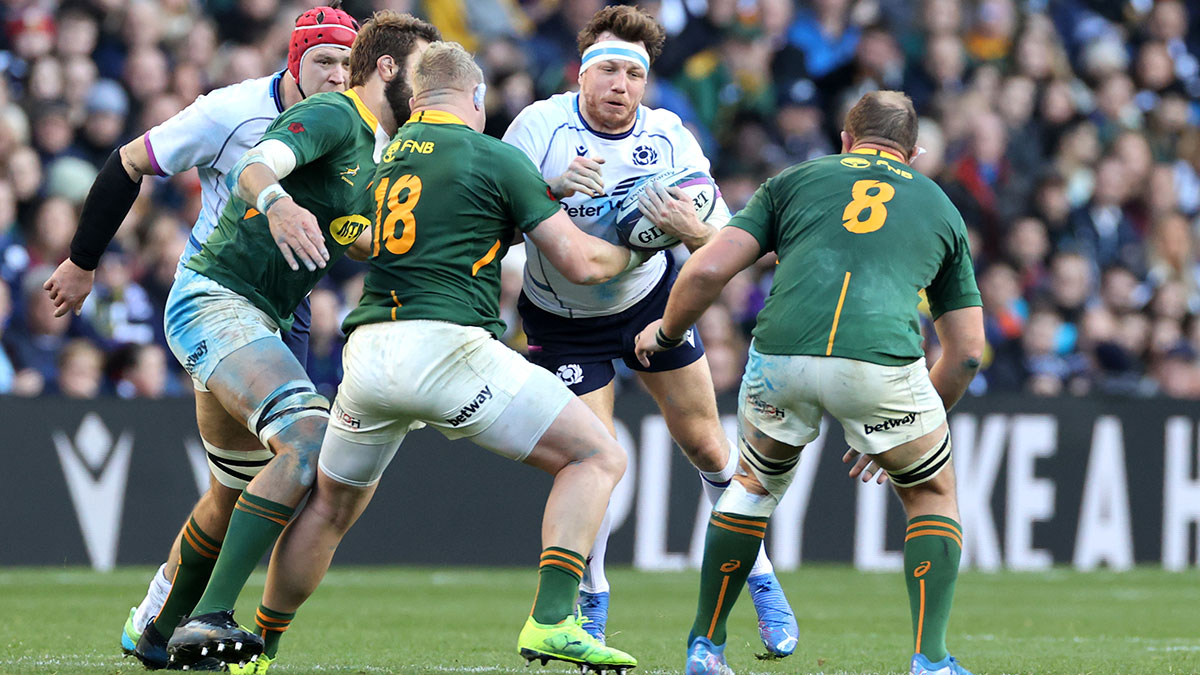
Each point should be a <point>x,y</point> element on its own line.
<point>758,218</point>
<point>522,189</point>
<point>954,286</point>
<point>313,130</point>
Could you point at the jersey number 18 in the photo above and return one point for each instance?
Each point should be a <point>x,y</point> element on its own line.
<point>401,200</point>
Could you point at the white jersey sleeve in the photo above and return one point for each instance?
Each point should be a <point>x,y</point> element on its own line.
<point>552,133</point>
<point>211,135</point>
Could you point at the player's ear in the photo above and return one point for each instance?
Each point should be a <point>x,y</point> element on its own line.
<point>847,141</point>
<point>386,66</point>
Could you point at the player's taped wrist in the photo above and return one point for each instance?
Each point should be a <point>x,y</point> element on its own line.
<point>665,342</point>
<point>108,202</point>
<point>268,196</point>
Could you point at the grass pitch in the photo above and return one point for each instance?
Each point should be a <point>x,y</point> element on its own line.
<point>409,620</point>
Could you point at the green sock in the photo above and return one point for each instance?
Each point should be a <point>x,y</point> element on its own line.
<point>253,528</point>
<point>558,584</point>
<point>197,554</point>
<point>730,547</point>
<point>932,549</point>
<point>271,625</point>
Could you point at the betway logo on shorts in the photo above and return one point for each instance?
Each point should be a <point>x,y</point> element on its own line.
<point>189,364</point>
<point>890,424</point>
<point>471,408</point>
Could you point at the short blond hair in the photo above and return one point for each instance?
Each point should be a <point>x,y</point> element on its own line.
<point>445,65</point>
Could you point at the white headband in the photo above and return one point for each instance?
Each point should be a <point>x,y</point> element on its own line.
<point>615,50</point>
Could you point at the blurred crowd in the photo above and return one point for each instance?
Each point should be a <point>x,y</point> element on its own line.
<point>1065,131</point>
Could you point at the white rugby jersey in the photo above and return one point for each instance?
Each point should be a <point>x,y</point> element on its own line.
<point>212,134</point>
<point>552,133</point>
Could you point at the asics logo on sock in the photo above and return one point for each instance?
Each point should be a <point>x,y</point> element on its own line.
<point>471,408</point>
<point>890,424</point>
<point>731,566</point>
<point>922,569</point>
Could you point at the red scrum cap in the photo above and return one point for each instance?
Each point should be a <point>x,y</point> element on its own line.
<point>319,27</point>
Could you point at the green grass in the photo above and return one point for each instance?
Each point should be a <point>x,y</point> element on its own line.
<point>407,620</point>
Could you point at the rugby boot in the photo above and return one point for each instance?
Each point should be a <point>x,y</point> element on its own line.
<point>947,666</point>
<point>776,621</point>
<point>151,650</point>
<point>705,658</point>
<point>594,607</point>
<point>130,634</point>
<point>213,635</point>
<point>568,641</point>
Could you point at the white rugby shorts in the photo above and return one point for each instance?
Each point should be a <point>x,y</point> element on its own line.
<point>879,407</point>
<point>458,379</point>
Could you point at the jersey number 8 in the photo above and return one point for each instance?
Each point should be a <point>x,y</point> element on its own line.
<point>867,194</point>
<point>398,211</point>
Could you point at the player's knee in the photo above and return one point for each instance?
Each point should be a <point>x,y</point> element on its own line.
<point>710,453</point>
<point>233,469</point>
<point>746,496</point>
<point>289,404</point>
<point>772,475</point>
<point>612,460</point>
<point>926,473</point>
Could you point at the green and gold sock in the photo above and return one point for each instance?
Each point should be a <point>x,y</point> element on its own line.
<point>271,625</point>
<point>558,584</point>
<point>253,528</point>
<point>932,549</point>
<point>730,547</point>
<point>197,554</point>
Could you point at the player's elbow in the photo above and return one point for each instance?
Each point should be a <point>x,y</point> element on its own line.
<point>965,350</point>
<point>587,273</point>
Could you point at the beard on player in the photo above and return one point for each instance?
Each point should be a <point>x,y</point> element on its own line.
<point>397,92</point>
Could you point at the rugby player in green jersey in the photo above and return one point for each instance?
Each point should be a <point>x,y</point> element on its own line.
<point>859,236</point>
<point>423,349</point>
<point>300,198</point>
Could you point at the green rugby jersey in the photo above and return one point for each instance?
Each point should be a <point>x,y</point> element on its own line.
<point>333,137</point>
<point>859,235</point>
<point>449,202</point>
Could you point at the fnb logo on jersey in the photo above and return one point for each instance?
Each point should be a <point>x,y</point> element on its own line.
<point>424,147</point>
<point>471,408</point>
<point>346,229</point>
<point>890,424</point>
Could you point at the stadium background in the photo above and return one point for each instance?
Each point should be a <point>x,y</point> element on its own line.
<point>1065,131</point>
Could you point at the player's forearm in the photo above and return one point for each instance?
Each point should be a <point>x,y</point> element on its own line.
<point>951,376</point>
<point>107,203</point>
<point>697,288</point>
<point>253,180</point>
<point>704,233</point>
<point>603,261</point>
<point>960,332</point>
<point>135,159</point>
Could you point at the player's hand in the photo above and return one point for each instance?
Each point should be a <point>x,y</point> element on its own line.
<point>68,287</point>
<point>645,344</point>
<point>671,210</point>
<point>583,175</point>
<point>297,235</point>
<point>864,466</point>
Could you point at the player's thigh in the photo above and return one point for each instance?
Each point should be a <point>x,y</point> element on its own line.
<point>883,408</point>
<point>576,435</point>
<point>600,402</point>
<point>220,428</point>
<point>764,458</point>
<point>777,399</point>
<point>256,381</point>
<point>689,405</point>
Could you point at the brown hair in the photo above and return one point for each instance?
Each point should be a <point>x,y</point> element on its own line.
<point>387,33</point>
<point>885,117</point>
<point>631,24</point>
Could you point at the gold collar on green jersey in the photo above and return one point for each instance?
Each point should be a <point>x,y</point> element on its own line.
<point>436,117</point>
<point>873,151</point>
<point>363,111</point>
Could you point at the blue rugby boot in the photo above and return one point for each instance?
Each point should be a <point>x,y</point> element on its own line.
<point>705,658</point>
<point>776,621</point>
<point>594,606</point>
<point>947,666</point>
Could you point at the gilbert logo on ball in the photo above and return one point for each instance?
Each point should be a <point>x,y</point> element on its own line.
<point>636,231</point>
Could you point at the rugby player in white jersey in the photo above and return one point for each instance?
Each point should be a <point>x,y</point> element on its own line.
<point>591,147</point>
<point>211,134</point>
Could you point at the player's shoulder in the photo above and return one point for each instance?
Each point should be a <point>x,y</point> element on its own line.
<point>237,102</point>
<point>498,150</point>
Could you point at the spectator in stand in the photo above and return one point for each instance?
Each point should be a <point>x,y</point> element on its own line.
<point>140,371</point>
<point>1100,229</point>
<point>34,340</point>
<point>325,341</point>
<point>80,371</point>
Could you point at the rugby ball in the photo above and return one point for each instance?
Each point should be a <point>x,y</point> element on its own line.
<point>637,232</point>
